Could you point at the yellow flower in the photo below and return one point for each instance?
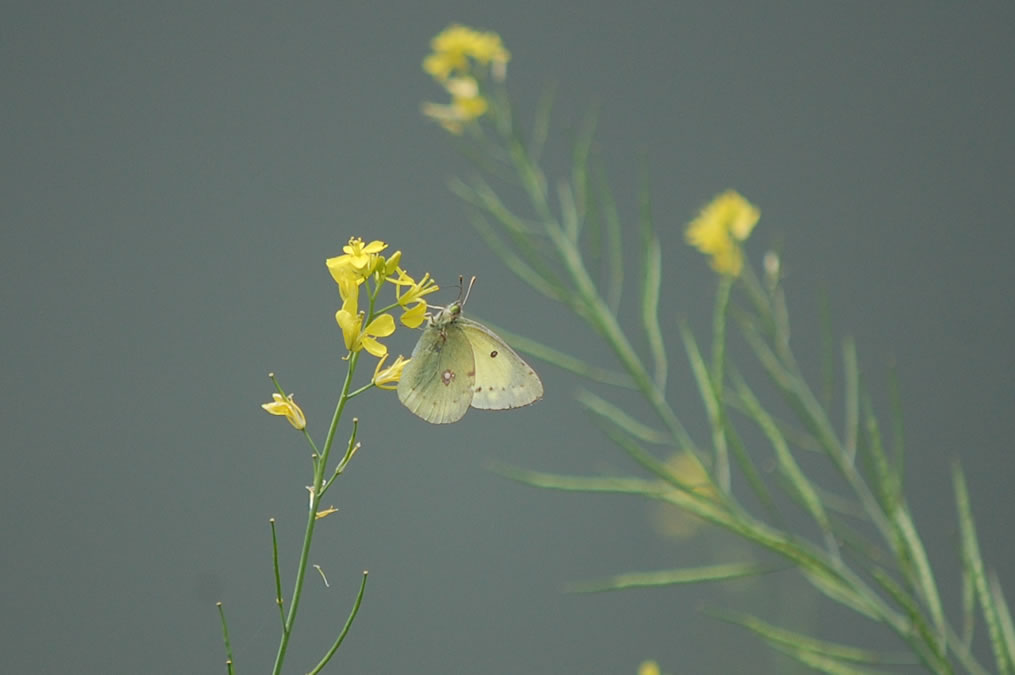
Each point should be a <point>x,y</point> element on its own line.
<point>456,52</point>
<point>325,513</point>
<point>670,520</point>
<point>359,262</point>
<point>648,668</point>
<point>285,405</point>
<point>720,227</point>
<point>456,44</point>
<point>391,264</point>
<point>413,316</point>
<point>387,378</point>
<point>466,105</point>
<point>365,338</point>
<point>448,116</point>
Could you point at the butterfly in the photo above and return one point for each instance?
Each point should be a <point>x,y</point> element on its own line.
<point>459,363</point>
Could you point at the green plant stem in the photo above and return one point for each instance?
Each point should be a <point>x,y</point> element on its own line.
<point>345,629</point>
<point>315,498</point>
<point>225,637</point>
<point>595,307</point>
<point>278,574</point>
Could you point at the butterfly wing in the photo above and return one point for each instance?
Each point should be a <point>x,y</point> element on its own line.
<point>503,379</point>
<point>437,383</point>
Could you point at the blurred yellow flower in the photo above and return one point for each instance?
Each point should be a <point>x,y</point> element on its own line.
<point>285,405</point>
<point>387,378</point>
<point>460,56</point>
<point>451,116</point>
<point>456,44</point>
<point>466,105</point>
<point>670,520</point>
<point>648,668</point>
<point>720,227</point>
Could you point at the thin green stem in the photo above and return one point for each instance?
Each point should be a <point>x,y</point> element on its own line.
<point>345,629</point>
<point>315,497</point>
<point>278,574</point>
<point>721,465</point>
<point>225,637</point>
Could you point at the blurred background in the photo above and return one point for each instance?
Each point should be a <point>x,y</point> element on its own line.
<point>174,175</point>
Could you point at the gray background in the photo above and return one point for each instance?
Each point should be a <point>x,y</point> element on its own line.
<point>174,176</point>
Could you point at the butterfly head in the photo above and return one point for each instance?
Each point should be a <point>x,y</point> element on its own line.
<point>448,314</point>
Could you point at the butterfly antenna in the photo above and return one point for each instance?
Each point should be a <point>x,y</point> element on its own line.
<point>467,290</point>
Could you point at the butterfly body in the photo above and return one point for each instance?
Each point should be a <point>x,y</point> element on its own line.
<point>459,363</point>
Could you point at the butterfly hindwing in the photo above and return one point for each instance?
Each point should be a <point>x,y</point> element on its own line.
<point>437,384</point>
<point>502,378</point>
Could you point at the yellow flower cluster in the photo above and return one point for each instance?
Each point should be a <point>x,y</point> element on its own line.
<point>363,265</point>
<point>462,55</point>
<point>720,228</point>
<point>358,263</point>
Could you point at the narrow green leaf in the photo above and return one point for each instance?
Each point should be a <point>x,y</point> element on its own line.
<point>797,393</point>
<point>652,268</point>
<point>794,435</point>
<point>651,283</point>
<point>1003,657</point>
<point>649,462</point>
<point>746,464</point>
<point>1003,616</point>
<point>787,463</point>
<point>920,636</point>
<point>924,576</point>
<point>541,122</point>
<point>547,286</point>
<point>806,643</point>
<point>686,575</point>
<point>591,484</point>
<point>834,588</point>
<point>708,397</point>
<point>345,629</point>
<point>885,480</point>
<point>968,607</point>
<point>580,164</point>
<point>614,243</point>
<point>568,211</point>
<point>616,416</point>
<point>825,664</point>
<point>760,299</point>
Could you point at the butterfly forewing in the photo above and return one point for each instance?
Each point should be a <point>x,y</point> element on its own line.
<point>437,383</point>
